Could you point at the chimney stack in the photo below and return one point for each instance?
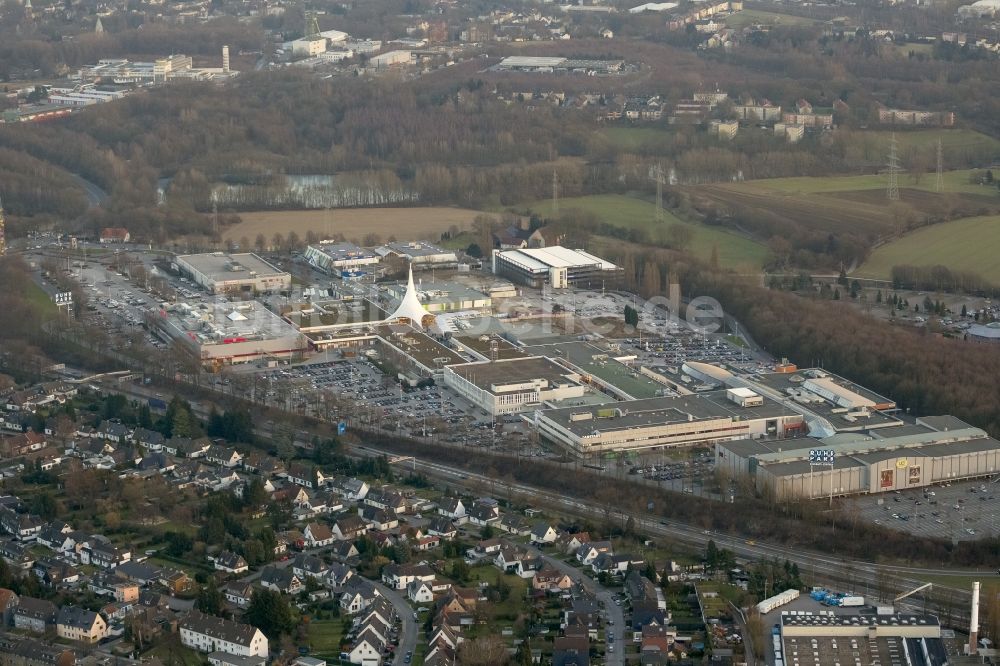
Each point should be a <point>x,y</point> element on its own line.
<point>225,58</point>
<point>974,620</point>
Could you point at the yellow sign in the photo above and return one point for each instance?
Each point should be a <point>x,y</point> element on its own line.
<point>901,463</point>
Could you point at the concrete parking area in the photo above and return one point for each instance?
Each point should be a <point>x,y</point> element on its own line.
<point>957,511</point>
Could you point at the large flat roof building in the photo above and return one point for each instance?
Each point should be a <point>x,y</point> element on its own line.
<point>420,254</point>
<point>222,273</point>
<point>514,385</point>
<point>666,422</point>
<point>557,267</point>
<point>228,333</point>
<point>334,257</point>
<point>934,449</point>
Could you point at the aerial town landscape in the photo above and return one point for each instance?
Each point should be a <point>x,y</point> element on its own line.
<point>488,332</point>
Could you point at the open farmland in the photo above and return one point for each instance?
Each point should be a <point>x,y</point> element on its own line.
<point>962,245</point>
<point>632,213</point>
<point>746,17</point>
<point>356,223</point>
<point>850,204</point>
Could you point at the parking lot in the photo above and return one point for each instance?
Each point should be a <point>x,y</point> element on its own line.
<point>957,511</point>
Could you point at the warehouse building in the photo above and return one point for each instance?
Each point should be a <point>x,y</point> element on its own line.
<point>829,638</point>
<point>339,258</point>
<point>934,449</point>
<point>419,254</point>
<point>556,267</point>
<point>667,422</point>
<point>514,385</point>
<point>228,333</point>
<point>222,273</point>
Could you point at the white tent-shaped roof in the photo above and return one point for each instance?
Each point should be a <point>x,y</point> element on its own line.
<point>410,307</point>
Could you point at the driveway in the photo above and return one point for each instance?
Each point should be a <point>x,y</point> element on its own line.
<point>604,595</point>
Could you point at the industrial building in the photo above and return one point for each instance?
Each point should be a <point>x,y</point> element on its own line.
<point>161,70</point>
<point>222,273</point>
<point>704,418</point>
<point>514,385</point>
<point>548,64</point>
<point>933,449</point>
<point>557,267</point>
<point>228,333</point>
<point>828,638</point>
<point>984,332</point>
<point>421,255</point>
<point>339,258</point>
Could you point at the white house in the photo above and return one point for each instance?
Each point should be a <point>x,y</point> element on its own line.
<point>544,533</point>
<point>367,649</point>
<point>317,534</point>
<point>420,592</point>
<point>207,633</point>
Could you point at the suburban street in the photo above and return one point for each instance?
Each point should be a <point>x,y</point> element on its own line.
<point>613,612</point>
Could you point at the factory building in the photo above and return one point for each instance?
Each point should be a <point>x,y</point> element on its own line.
<point>556,267</point>
<point>934,449</point>
<point>228,333</point>
<point>828,638</point>
<point>667,422</point>
<point>221,273</point>
<point>339,258</point>
<point>514,385</point>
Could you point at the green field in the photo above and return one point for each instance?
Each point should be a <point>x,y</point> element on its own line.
<point>640,139</point>
<point>632,213</point>
<point>968,244</point>
<point>325,637</point>
<point>40,299</point>
<point>953,181</point>
<point>747,17</point>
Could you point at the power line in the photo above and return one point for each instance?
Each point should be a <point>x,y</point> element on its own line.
<point>657,175</point>
<point>939,183</point>
<point>892,190</point>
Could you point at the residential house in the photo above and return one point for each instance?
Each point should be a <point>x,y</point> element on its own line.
<point>420,592</point>
<point>8,604</point>
<point>343,550</point>
<point>398,576</point>
<point>22,526</point>
<point>150,440</point>
<point>207,633</point>
<point>308,565</point>
<point>378,519</point>
<point>230,562</point>
<point>223,455</point>
<point>367,649</point>
<point>337,575</point>
<point>352,490</point>
<point>17,554</point>
<point>349,528</point>
<point>482,513</point>
<point>280,580</point>
<point>512,559</point>
<point>571,651</point>
<point>588,552</point>
<point>56,536</point>
<point>238,593</point>
<point>543,533</point>
<point>138,572</point>
<point>427,543</point>
<point>452,507</point>
<point>358,595</point>
<point>18,651</point>
<point>303,475</point>
<point>515,524</point>
<point>100,552</point>
<point>386,499</point>
<point>79,624</point>
<point>114,431</point>
<point>317,535</point>
<point>34,615</point>
<point>53,572</point>
<point>550,579</point>
<point>442,527</point>
<point>616,564</point>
